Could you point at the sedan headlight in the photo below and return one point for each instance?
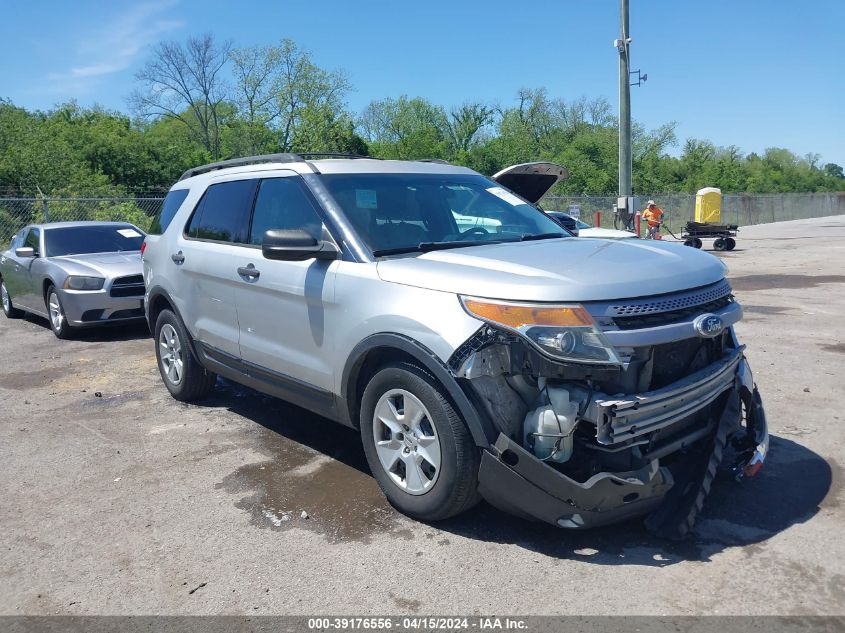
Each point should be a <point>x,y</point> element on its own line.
<point>565,332</point>
<point>78,282</point>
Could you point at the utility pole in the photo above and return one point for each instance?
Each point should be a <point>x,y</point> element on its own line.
<point>623,46</point>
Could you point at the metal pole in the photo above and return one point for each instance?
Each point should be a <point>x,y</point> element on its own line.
<point>624,104</point>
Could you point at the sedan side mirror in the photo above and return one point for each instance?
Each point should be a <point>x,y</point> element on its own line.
<point>296,246</point>
<point>26,251</point>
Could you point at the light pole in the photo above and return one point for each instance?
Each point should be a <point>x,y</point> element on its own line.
<point>623,46</point>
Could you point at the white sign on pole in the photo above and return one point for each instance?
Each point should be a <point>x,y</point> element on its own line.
<point>575,210</point>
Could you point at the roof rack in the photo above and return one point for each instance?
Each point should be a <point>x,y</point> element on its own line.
<point>286,157</point>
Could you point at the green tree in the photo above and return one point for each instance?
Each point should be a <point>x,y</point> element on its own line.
<point>186,84</point>
<point>406,128</point>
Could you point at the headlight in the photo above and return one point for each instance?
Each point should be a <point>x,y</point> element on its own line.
<point>566,332</point>
<point>76,282</point>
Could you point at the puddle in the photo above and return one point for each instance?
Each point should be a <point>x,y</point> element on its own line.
<point>342,500</point>
<point>771,282</point>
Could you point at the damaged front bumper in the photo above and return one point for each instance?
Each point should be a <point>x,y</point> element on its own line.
<point>513,479</point>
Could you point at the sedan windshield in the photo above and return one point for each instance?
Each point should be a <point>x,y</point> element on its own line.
<point>395,213</point>
<point>81,240</point>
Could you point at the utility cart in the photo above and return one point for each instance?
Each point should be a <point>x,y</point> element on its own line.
<point>707,224</point>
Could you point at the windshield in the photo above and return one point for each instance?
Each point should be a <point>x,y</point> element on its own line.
<point>396,213</point>
<point>81,240</point>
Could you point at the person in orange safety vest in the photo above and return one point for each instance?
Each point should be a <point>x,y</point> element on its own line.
<point>653,215</point>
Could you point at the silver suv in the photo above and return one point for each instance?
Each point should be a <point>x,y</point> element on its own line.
<point>481,350</point>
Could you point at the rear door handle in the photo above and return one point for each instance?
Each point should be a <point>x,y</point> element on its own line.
<point>249,271</point>
<point>178,258</point>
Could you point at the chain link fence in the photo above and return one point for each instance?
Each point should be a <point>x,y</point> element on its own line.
<point>741,209</point>
<point>15,213</point>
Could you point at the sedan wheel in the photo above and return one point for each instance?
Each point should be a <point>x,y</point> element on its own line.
<point>58,321</point>
<point>406,441</point>
<point>170,353</point>
<point>8,309</point>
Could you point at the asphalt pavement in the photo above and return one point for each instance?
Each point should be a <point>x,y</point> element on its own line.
<point>116,499</point>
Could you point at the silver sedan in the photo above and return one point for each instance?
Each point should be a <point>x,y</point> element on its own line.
<point>75,274</point>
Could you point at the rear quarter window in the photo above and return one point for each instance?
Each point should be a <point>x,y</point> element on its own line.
<point>164,217</point>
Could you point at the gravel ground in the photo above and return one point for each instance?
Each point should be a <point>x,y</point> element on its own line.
<point>116,499</point>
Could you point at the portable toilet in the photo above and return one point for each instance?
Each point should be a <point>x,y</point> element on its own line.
<point>708,204</point>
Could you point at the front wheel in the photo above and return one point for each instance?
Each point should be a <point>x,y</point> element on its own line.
<point>184,377</point>
<point>58,321</point>
<point>419,449</point>
<point>9,310</point>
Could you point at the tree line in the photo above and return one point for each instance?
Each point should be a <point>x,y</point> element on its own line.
<point>205,100</point>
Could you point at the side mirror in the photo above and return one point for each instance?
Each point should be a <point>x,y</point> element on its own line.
<point>296,246</point>
<point>26,251</point>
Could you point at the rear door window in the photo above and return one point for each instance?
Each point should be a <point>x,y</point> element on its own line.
<point>223,213</point>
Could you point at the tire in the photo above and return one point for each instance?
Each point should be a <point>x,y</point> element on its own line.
<point>444,482</point>
<point>689,243</point>
<point>56,315</point>
<point>697,242</point>
<point>730,243</point>
<point>719,244</point>
<point>184,377</point>
<point>9,309</point>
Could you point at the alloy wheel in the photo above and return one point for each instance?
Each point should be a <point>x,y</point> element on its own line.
<point>57,316</point>
<point>406,441</point>
<point>170,352</point>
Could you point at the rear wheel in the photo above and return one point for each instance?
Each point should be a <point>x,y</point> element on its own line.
<point>730,243</point>
<point>9,310</point>
<point>719,244</point>
<point>58,321</point>
<point>697,242</point>
<point>419,449</point>
<point>184,377</point>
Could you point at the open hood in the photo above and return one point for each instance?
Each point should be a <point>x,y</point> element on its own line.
<point>531,180</point>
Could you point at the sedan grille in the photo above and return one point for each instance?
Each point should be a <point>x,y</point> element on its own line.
<point>131,286</point>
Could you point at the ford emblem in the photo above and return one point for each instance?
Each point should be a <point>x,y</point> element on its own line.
<point>709,325</point>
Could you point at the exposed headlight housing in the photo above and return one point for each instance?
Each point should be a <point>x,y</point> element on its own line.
<point>564,332</point>
<point>79,282</point>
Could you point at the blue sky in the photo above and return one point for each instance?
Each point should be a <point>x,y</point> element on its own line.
<point>752,73</point>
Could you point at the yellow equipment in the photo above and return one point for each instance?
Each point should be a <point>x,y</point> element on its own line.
<point>708,204</point>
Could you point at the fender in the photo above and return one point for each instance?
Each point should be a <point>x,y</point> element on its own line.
<point>482,429</point>
<point>154,293</point>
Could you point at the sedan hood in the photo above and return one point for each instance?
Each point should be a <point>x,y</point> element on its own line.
<point>101,264</point>
<point>566,269</point>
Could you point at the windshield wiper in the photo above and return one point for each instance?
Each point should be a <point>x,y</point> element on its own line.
<point>441,246</point>
<point>425,247</point>
<point>540,236</point>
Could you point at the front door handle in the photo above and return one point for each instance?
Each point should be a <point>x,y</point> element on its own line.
<point>249,271</point>
<point>178,258</point>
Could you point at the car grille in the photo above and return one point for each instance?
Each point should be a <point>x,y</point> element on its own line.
<point>638,307</point>
<point>131,286</point>
<point>672,316</point>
